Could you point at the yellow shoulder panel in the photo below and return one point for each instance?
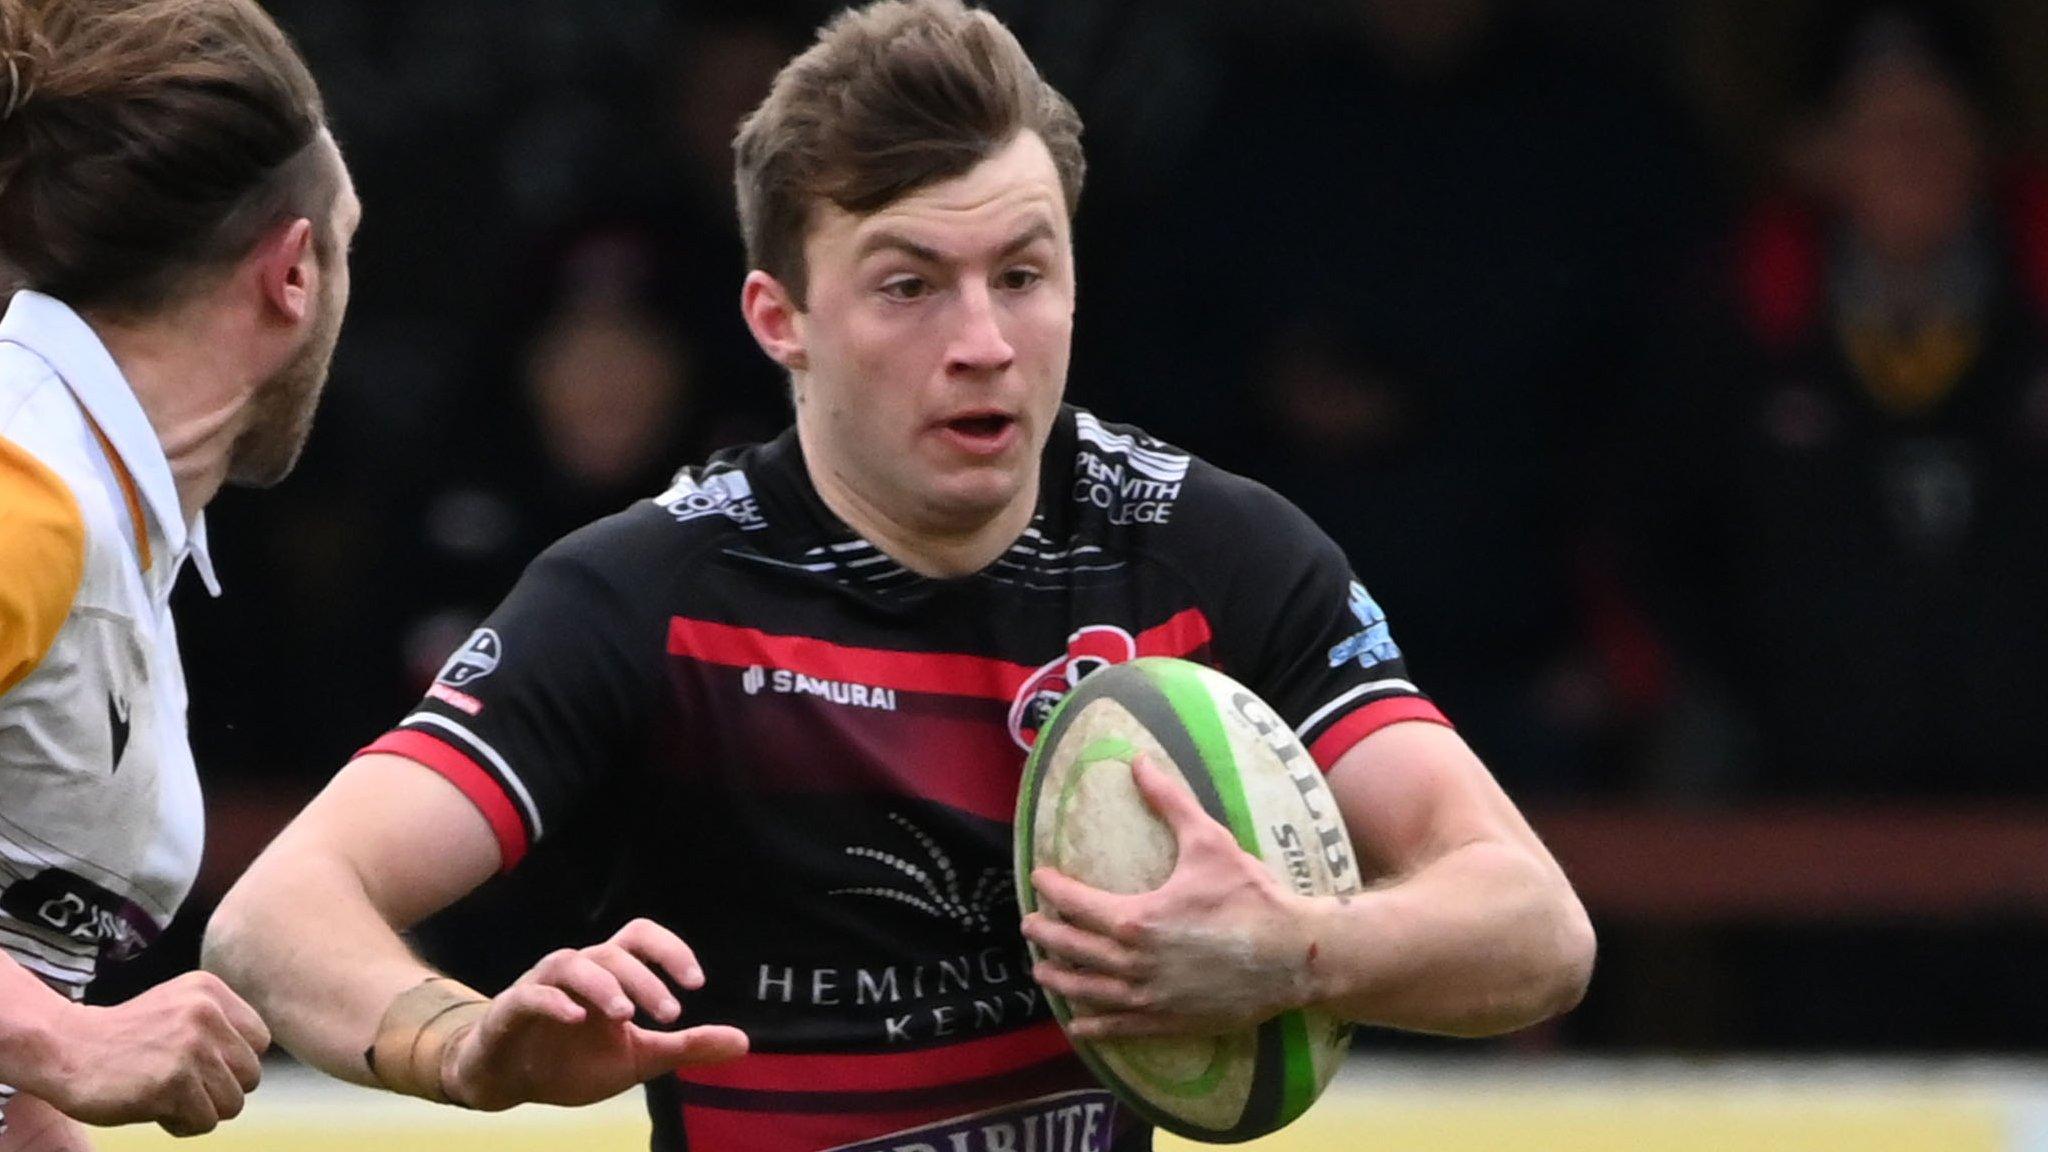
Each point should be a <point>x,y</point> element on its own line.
<point>42,560</point>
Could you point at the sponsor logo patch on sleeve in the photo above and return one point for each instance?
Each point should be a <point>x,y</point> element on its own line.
<point>1374,642</point>
<point>476,659</point>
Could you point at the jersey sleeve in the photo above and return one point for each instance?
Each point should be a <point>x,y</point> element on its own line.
<point>546,701</point>
<point>42,560</point>
<point>1297,627</point>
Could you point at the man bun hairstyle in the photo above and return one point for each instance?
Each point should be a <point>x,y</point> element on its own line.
<point>146,142</point>
<point>893,97</point>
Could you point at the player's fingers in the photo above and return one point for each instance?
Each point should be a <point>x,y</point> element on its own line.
<point>243,1064</point>
<point>658,1053</point>
<point>544,1001</point>
<point>240,1015</point>
<point>1098,990</point>
<point>1092,909</point>
<point>1170,797</point>
<point>587,981</point>
<point>639,981</point>
<point>191,1112</point>
<point>223,1088</point>
<point>651,941</point>
<point>1079,948</point>
<point>1125,1025</point>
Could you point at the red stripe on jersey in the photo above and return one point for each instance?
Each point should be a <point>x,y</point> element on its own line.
<point>933,673</point>
<point>1339,737</point>
<point>1023,1107</point>
<point>482,788</point>
<point>716,1128</point>
<point>1184,633</point>
<point>885,1072</point>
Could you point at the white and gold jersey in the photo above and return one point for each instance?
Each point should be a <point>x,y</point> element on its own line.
<point>100,817</point>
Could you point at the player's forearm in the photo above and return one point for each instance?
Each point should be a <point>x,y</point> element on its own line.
<point>31,1027</point>
<point>1483,940</point>
<point>33,1125</point>
<point>300,939</point>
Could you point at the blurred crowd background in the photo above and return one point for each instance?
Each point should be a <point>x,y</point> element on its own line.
<point>1674,373</point>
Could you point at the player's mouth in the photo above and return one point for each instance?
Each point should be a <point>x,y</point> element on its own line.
<point>980,433</point>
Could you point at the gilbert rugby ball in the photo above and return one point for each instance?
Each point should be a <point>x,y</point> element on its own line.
<point>1079,811</point>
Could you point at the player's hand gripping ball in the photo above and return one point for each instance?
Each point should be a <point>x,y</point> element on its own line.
<point>1203,739</point>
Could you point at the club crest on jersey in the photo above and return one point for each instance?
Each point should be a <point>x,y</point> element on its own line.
<point>1374,643</point>
<point>476,659</point>
<point>1093,647</point>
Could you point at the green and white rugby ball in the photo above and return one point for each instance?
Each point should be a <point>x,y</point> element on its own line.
<point>1080,812</point>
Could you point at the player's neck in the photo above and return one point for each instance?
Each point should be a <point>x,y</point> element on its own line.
<point>194,388</point>
<point>941,551</point>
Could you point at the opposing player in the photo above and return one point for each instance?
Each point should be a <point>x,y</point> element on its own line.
<point>785,706</point>
<point>174,219</point>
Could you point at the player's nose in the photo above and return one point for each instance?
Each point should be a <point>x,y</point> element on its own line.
<point>979,345</point>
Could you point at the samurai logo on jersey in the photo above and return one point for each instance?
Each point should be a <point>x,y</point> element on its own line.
<point>1078,1121</point>
<point>726,494</point>
<point>1095,646</point>
<point>783,682</point>
<point>1132,481</point>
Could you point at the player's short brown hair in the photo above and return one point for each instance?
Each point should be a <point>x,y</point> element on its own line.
<point>893,97</point>
<point>145,141</point>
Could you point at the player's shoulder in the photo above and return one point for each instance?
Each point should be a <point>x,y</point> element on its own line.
<point>657,539</point>
<point>42,557</point>
<point>1129,483</point>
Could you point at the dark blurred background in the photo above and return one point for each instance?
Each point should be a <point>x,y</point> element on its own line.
<point>1673,372</point>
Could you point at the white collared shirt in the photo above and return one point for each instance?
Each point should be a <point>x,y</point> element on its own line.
<point>100,817</point>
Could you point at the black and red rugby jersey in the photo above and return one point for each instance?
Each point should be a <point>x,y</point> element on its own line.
<point>805,759</point>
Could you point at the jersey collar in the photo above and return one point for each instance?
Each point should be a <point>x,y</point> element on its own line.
<point>803,520</point>
<point>49,328</point>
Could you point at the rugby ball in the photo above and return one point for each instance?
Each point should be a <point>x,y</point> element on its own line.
<point>1079,811</point>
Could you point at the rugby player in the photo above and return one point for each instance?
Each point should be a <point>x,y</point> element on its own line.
<point>174,219</point>
<point>781,709</point>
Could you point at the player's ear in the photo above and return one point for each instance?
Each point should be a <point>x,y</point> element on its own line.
<point>286,267</point>
<point>772,315</point>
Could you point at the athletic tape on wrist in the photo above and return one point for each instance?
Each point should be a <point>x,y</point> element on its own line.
<point>418,1029</point>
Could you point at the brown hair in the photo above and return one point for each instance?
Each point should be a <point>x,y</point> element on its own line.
<point>143,142</point>
<point>893,97</point>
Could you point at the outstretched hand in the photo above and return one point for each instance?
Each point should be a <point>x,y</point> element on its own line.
<point>564,1032</point>
<point>1221,945</point>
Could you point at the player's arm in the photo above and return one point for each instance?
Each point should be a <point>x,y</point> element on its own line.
<point>184,1054</point>
<point>1472,928</point>
<point>1472,931</point>
<point>33,1126</point>
<point>1475,930</point>
<point>545,702</point>
<point>311,935</point>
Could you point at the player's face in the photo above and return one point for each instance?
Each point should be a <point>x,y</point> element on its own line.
<point>934,347</point>
<point>281,410</point>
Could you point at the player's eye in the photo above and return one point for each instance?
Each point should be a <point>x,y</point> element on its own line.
<point>905,287</point>
<point>1019,279</point>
